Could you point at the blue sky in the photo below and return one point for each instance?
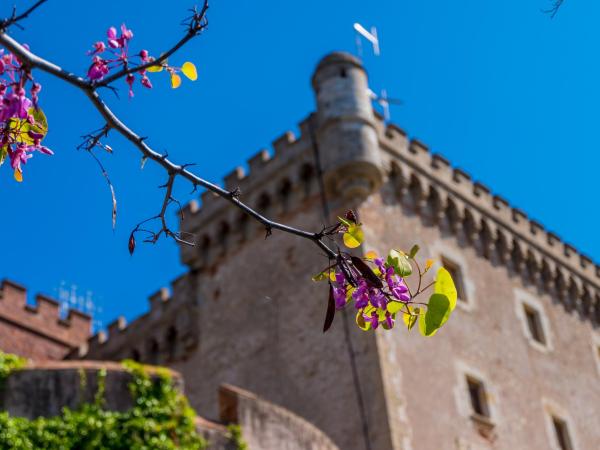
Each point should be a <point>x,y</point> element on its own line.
<point>498,88</point>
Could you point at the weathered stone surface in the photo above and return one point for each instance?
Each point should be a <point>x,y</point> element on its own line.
<point>44,388</point>
<point>267,426</point>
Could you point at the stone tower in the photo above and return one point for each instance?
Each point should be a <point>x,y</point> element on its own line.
<point>517,366</point>
<point>346,127</point>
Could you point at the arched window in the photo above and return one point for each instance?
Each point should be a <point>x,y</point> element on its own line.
<point>224,234</point>
<point>264,203</point>
<point>285,191</point>
<point>135,355</point>
<point>153,351</point>
<point>171,340</point>
<point>307,174</point>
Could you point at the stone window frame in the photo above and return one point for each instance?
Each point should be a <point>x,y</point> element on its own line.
<point>525,300</point>
<point>484,424</point>
<point>553,411</point>
<point>441,251</point>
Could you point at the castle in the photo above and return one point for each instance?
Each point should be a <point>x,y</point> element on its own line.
<point>517,366</point>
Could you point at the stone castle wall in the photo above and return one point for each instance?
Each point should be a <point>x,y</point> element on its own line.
<point>43,389</point>
<point>37,331</point>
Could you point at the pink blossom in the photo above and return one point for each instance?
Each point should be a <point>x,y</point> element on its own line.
<point>98,69</point>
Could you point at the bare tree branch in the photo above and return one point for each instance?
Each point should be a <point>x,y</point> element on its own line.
<point>14,18</point>
<point>553,10</point>
<point>113,122</point>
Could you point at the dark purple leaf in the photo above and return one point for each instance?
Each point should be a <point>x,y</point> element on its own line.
<point>366,272</point>
<point>330,310</point>
<point>131,243</point>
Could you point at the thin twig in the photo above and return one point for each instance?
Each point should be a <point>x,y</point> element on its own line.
<point>14,18</point>
<point>196,25</point>
<point>552,11</point>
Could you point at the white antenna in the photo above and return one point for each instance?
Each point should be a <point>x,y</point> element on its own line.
<point>369,36</point>
<point>70,298</point>
<point>384,101</point>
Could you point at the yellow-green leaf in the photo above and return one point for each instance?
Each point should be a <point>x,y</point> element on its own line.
<point>41,123</point>
<point>189,70</point>
<point>175,81</point>
<point>157,68</point>
<point>394,307</point>
<point>444,285</point>
<point>321,276</point>
<point>354,236</point>
<point>3,153</point>
<point>361,322</point>
<point>411,319</point>
<point>400,262</point>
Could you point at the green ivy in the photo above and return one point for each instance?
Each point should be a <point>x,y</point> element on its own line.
<point>234,434</point>
<point>160,418</point>
<point>8,363</point>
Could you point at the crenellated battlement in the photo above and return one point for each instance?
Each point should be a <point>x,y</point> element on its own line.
<point>274,182</point>
<point>281,181</point>
<point>40,321</point>
<point>446,195</point>
<point>163,334</point>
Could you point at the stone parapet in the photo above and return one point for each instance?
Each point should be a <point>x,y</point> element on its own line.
<point>25,324</point>
<point>448,196</point>
<point>163,334</point>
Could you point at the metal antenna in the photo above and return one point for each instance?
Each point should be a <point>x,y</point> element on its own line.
<point>369,36</point>
<point>383,100</point>
<point>70,298</point>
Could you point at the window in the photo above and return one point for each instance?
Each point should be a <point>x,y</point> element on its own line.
<point>153,350</point>
<point>478,397</point>
<point>456,275</point>
<point>534,324</point>
<point>171,343</point>
<point>562,434</point>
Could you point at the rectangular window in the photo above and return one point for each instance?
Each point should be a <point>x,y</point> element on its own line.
<point>455,273</point>
<point>478,397</point>
<point>534,324</point>
<point>562,434</point>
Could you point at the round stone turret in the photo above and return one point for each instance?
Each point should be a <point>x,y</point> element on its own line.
<point>346,131</point>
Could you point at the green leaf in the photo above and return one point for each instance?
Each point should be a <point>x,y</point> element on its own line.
<point>445,286</point>
<point>354,236</point>
<point>413,251</point>
<point>344,222</point>
<point>438,311</point>
<point>399,261</point>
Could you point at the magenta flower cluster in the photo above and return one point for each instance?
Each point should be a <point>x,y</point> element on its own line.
<point>114,54</point>
<point>22,124</point>
<point>371,296</point>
